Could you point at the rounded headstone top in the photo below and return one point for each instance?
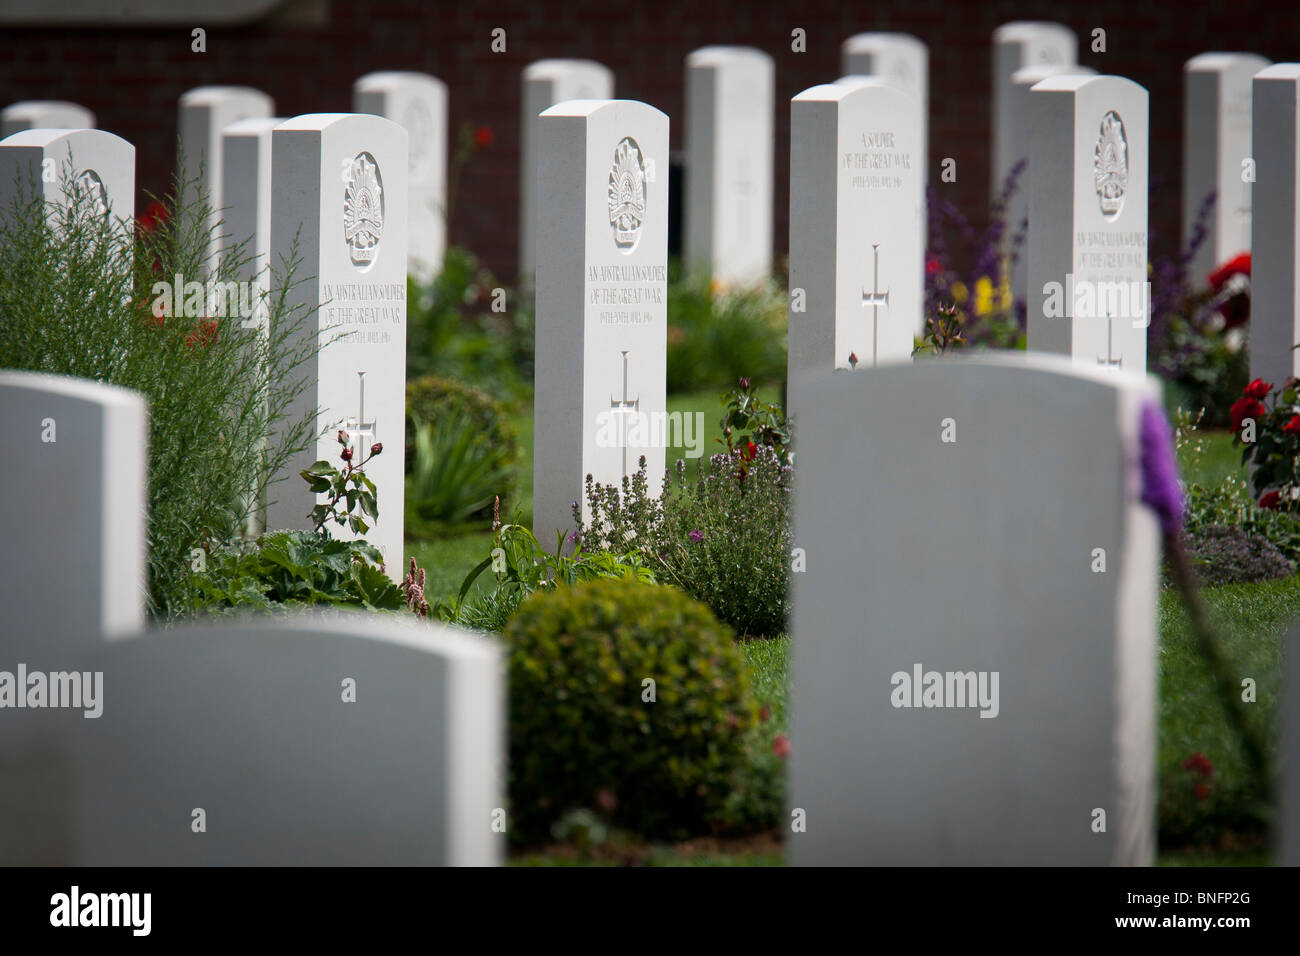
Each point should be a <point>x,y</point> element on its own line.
<point>591,107</point>
<point>202,95</point>
<point>715,55</point>
<point>547,69</point>
<point>1280,71</point>
<point>382,80</point>
<point>1218,61</point>
<point>1035,73</point>
<point>873,42</point>
<point>1020,30</point>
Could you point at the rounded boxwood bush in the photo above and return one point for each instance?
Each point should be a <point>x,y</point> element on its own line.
<point>436,401</point>
<point>583,733</point>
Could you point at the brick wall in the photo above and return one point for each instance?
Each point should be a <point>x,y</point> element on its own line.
<point>132,78</point>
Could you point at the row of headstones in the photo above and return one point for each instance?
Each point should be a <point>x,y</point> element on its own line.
<point>856,255</point>
<point>1004,713</point>
<point>325,191</point>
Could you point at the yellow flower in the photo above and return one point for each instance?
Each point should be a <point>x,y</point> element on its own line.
<point>983,295</point>
<point>959,292</point>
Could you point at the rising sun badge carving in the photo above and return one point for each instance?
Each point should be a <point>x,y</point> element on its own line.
<point>363,210</point>
<point>627,203</point>
<point>1110,165</point>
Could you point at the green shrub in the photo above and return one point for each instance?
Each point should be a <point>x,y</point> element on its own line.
<point>294,567</point>
<point>452,330</point>
<point>77,297</point>
<point>518,566</point>
<point>723,536</point>
<point>714,339</point>
<point>583,734</point>
<point>467,455</point>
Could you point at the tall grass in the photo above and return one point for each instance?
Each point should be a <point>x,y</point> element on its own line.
<point>78,297</point>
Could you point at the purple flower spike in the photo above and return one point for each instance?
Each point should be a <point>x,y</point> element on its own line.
<point>1160,488</point>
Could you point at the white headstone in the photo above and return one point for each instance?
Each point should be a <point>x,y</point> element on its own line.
<point>727,228</point>
<point>856,211</point>
<point>1088,291</point>
<point>545,83</point>
<point>1216,142</point>
<point>1018,208</point>
<point>74,576</point>
<point>102,167</point>
<point>900,59</point>
<point>602,323</point>
<point>340,188</point>
<point>44,114</point>
<point>417,102</point>
<point>1017,45</point>
<point>1275,225</point>
<point>999,583</point>
<point>76,533</point>
<point>246,193</point>
<point>204,112</point>
<point>333,739</point>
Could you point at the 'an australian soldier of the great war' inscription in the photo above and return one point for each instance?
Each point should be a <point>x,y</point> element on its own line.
<point>623,289</point>
<point>362,313</point>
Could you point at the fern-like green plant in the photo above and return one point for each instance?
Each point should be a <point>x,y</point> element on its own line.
<point>456,473</point>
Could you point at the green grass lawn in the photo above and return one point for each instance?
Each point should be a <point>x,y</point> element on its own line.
<point>1250,617</point>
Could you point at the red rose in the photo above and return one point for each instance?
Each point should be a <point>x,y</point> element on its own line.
<point>1238,265</point>
<point>749,451</point>
<point>1270,500</point>
<point>781,746</point>
<point>1293,426</point>
<point>1257,389</point>
<point>483,137</point>
<point>346,454</point>
<point>1244,408</point>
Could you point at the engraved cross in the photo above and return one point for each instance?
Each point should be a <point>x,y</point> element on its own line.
<point>361,433</point>
<point>1109,360</point>
<point>622,408</point>
<point>875,299</point>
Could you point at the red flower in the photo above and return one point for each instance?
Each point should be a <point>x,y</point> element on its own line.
<point>1293,426</point>
<point>376,448</point>
<point>154,215</point>
<point>933,266</point>
<point>764,712</point>
<point>483,137</point>
<point>346,454</point>
<point>1235,308</point>
<point>781,746</point>
<point>1244,408</point>
<point>1200,763</point>
<point>1257,389</point>
<point>1238,265</point>
<point>1270,500</point>
<point>204,334</point>
<point>748,451</point>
